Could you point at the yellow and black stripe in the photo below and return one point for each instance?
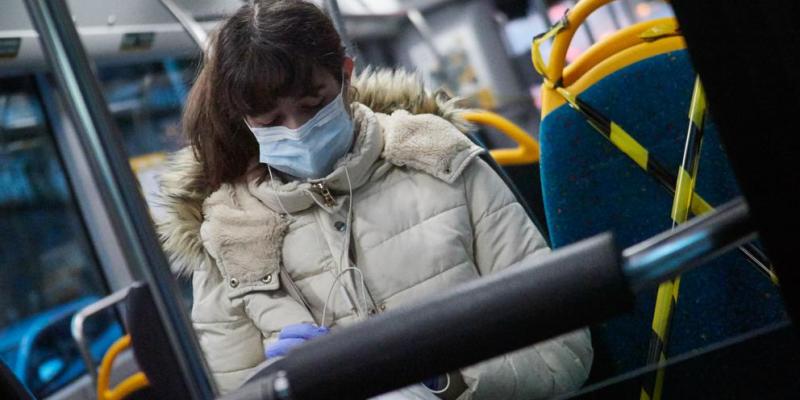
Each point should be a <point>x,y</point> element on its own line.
<point>628,145</point>
<point>668,291</point>
<point>686,200</point>
<point>624,142</point>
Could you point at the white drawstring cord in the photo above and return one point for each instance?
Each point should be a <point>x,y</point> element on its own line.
<point>341,262</point>
<point>333,286</point>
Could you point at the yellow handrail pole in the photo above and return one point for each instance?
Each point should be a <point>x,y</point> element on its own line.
<point>126,387</point>
<point>526,153</point>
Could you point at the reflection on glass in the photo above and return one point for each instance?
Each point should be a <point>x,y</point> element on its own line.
<point>47,270</point>
<point>146,101</point>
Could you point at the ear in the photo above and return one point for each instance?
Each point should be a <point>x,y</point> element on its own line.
<point>347,68</point>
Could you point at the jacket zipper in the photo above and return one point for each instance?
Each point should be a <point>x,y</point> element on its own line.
<point>327,196</point>
<point>330,201</point>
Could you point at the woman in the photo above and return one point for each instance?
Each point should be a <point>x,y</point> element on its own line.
<point>311,199</point>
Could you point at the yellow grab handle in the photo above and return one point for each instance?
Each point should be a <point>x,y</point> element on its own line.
<point>575,17</point>
<point>129,385</point>
<point>619,41</point>
<point>563,32</point>
<point>526,153</point>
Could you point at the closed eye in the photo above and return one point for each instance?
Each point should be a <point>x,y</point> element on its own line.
<point>262,121</point>
<point>316,103</point>
<point>264,124</point>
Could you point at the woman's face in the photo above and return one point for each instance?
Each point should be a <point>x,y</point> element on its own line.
<point>292,112</point>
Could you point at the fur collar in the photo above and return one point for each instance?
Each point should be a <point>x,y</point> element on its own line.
<point>181,196</point>
<point>414,138</point>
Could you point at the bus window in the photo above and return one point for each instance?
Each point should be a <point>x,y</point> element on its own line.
<point>47,268</point>
<point>146,102</point>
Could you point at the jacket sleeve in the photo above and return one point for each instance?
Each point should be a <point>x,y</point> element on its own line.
<point>234,330</point>
<point>504,235</point>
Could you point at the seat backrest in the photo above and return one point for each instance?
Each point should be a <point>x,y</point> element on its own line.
<point>151,346</point>
<point>589,186</point>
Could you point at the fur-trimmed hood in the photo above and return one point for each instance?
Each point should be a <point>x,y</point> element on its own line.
<point>398,94</point>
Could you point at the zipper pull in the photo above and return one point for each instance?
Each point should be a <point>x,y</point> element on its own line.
<point>327,196</point>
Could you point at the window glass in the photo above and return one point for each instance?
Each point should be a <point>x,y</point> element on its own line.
<point>146,102</point>
<point>47,269</point>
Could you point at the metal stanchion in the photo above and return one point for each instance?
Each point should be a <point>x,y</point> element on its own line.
<point>100,143</point>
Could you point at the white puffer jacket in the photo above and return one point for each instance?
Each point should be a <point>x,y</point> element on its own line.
<point>427,215</point>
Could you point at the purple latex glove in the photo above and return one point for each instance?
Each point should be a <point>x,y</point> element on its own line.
<point>292,336</point>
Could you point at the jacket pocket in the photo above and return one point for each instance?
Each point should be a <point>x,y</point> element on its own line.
<point>245,240</point>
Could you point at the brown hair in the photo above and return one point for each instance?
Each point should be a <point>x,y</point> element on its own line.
<point>266,50</point>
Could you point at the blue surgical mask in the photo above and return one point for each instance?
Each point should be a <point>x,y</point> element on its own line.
<point>311,150</point>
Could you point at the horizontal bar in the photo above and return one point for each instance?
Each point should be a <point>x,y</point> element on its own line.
<point>669,254</point>
<point>195,31</point>
<point>79,319</point>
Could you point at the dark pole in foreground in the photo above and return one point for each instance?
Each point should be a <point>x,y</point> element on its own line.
<point>671,253</point>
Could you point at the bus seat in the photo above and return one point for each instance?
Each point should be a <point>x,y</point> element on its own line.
<point>151,346</point>
<point>160,375</point>
<point>589,186</point>
<point>10,386</point>
<point>131,387</point>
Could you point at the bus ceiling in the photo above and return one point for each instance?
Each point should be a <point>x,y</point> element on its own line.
<point>116,32</point>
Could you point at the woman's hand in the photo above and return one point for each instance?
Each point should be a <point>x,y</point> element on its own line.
<point>292,336</point>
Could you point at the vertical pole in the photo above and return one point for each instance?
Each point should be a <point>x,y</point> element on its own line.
<point>101,144</point>
<point>332,8</point>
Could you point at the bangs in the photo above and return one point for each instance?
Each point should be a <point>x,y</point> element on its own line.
<point>264,76</point>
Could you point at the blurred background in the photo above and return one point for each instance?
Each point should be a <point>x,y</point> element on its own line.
<point>146,62</point>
